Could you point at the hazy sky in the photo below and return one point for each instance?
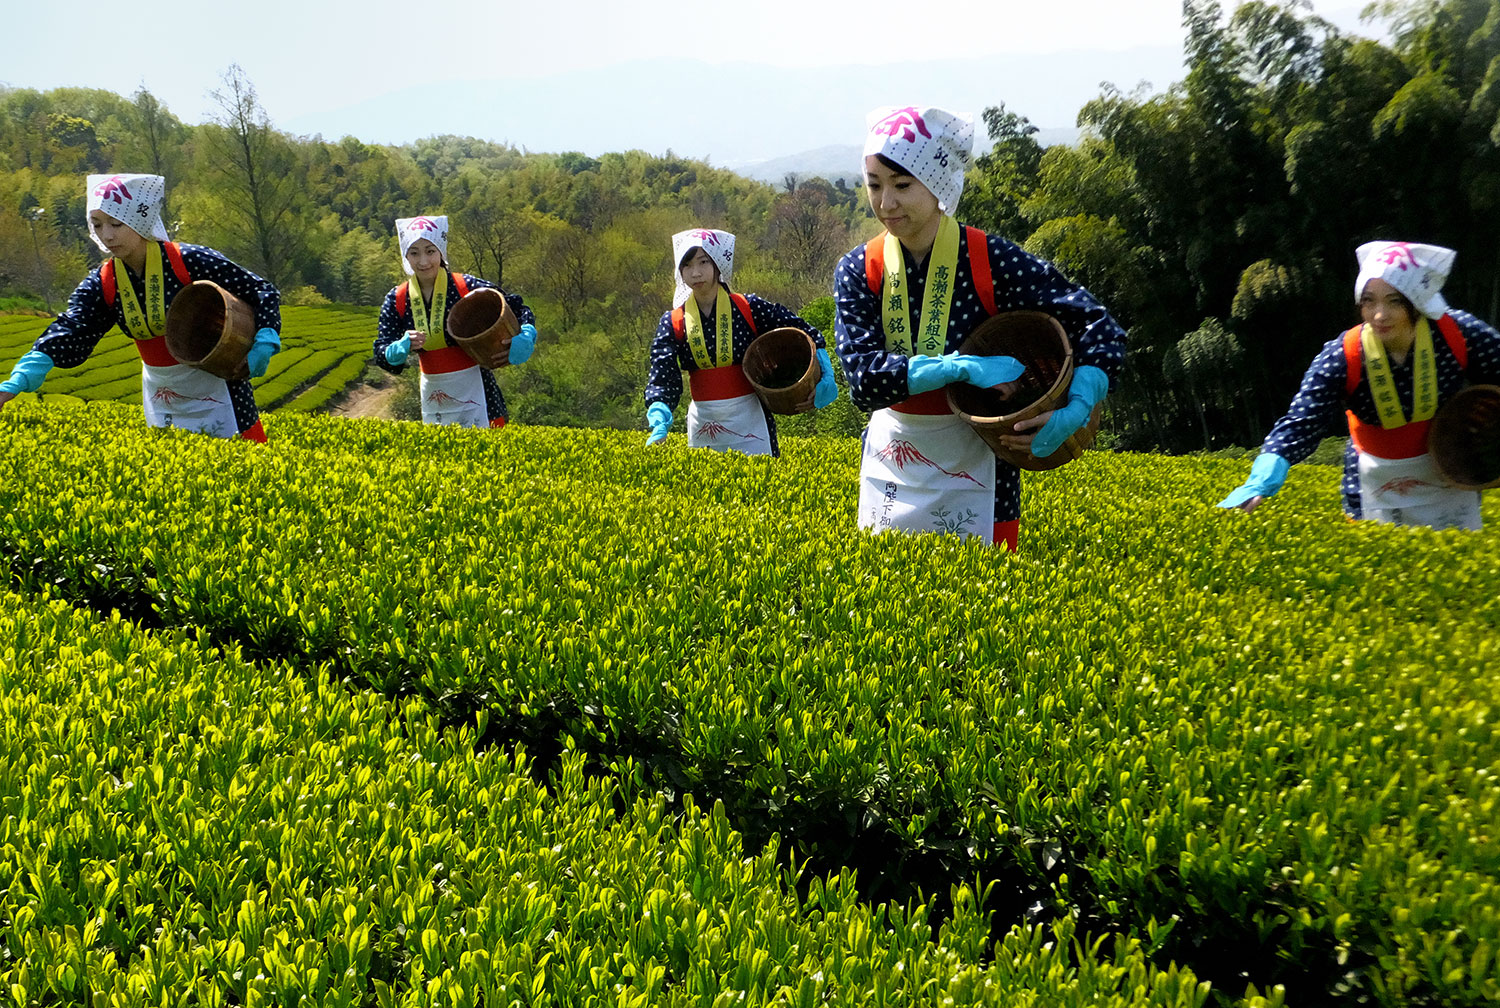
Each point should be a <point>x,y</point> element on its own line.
<point>309,58</point>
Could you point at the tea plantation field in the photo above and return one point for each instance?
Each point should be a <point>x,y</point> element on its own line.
<point>384,714</point>
<point>324,350</point>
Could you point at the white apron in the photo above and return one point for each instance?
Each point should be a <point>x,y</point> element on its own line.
<point>454,397</point>
<point>186,397</point>
<point>925,473</point>
<point>737,424</point>
<point>1412,491</point>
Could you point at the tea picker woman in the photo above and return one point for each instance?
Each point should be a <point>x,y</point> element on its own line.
<point>725,412</point>
<point>133,289</point>
<point>1388,375</point>
<point>906,301</point>
<point>453,388</point>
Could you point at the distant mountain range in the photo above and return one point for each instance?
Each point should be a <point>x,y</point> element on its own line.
<point>838,161</point>
<point>738,113</point>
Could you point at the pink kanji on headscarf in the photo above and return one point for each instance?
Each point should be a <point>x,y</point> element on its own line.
<point>410,230</point>
<point>907,120</point>
<point>114,189</point>
<point>133,200</point>
<point>935,145</point>
<point>1398,254</point>
<point>718,245</point>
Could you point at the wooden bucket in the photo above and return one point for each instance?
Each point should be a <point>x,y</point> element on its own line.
<point>482,324</point>
<point>210,329</point>
<point>782,366</point>
<point>1039,342</point>
<point>1465,438</point>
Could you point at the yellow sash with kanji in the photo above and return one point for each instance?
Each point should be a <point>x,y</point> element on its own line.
<point>419,313</point>
<point>1383,385</point>
<point>723,332</point>
<point>152,322</point>
<point>942,273</point>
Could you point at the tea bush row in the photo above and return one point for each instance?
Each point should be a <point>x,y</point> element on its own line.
<point>1269,734</point>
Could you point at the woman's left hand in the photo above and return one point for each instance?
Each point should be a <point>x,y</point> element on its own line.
<point>1022,441</point>
<point>521,345</point>
<point>826,390</point>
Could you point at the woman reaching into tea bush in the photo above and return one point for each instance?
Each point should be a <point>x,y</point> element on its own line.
<point>1389,375</point>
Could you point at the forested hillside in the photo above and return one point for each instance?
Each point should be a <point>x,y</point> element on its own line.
<point>585,240</point>
<point>1217,219</point>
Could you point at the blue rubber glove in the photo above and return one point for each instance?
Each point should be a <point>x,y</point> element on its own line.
<point>1087,391</point>
<point>827,390</point>
<point>267,342</point>
<point>659,419</point>
<point>1266,477</point>
<point>396,352</point>
<point>28,373</point>
<point>522,343</point>
<point>987,372</point>
<point>923,373</point>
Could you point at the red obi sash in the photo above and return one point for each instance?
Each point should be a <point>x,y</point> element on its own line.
<point>727,382</point>
<point>934,403</point>
<point>444,360</point>
<point>154,352</point>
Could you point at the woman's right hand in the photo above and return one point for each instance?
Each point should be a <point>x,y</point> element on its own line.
<point>1266,477</point>
<point>6,397</point>
<point>417,338</point>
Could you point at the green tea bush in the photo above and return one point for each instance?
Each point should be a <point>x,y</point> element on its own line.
<point>1256,745</point>
<point>183,826</point>
<point>325,349</point>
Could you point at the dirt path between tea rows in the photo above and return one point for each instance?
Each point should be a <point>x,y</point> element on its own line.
<point>367,401</point>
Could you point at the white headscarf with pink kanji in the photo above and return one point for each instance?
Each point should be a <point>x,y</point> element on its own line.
<point>133,200</point>
<point>935,145</point>
<point>1417,271</point>
<point>411,229</point>
<point>720,248</point>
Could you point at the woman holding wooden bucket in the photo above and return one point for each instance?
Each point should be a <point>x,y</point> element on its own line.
<point>455,389</point>
<point>905,302</point>
<point>1411,354</point>
<point>134,289</point>
<point>725,412</point>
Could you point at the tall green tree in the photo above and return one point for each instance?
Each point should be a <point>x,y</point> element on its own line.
<point>255,167</point>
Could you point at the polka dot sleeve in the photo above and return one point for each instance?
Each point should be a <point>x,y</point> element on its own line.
<point>877,378</point>
<point>391,326</point>
<point>1483,342</point>
<point>1023,281</point>
<point>72,336</point>
<point>206,264</point>
<point>518,307</point>
<point>1317,409</point>
<point>770,315</point>
<point>663,376</point>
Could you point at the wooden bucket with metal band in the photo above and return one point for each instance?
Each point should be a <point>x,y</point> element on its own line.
<point>210,329</point>
<point>483,325</point>
<point>1039,342</point>
<point>1464,438</point>
<point>782,366</point>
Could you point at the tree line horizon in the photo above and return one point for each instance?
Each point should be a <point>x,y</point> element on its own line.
<point>1217,218</point>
